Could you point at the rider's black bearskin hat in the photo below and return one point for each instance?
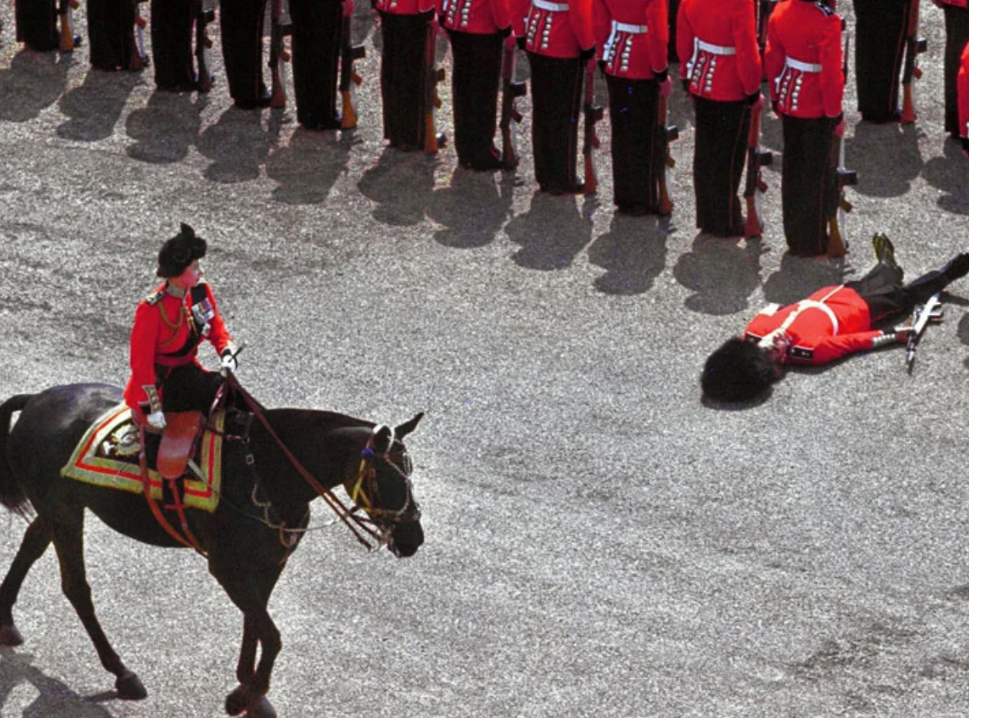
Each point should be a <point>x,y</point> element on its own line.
<point>180,251</point>
<point>738,371</point>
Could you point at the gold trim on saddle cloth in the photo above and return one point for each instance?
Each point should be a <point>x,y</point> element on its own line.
<point>92,461</point>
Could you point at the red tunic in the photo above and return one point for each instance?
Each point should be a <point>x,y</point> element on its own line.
<point>167,331</point>
<point>826,326</point>
<point>632,36</point>
<point>804,59</point>
<point>717,45</point>
<point>555,29</point>
<point>480,17</point>
<point>954,3</point>
<point>962,93</point>
<point>404,7</point>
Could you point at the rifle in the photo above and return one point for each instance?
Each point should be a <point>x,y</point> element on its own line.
<point>592,115</point>
<point>432,142</point>
<point>278,53</point>
<point>142,59</point>
<point>914,45</point>
<point>510,115</point>
<point>754,186</point>
<point>844,177</point>
<point>203,44</point>
<point>69,40</point>
<point>931,311</point>
<point>349,79</point>
<point>667,133</point>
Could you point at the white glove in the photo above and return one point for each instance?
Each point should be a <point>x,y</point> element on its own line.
<point>156,420</point>
<point>229,362</point>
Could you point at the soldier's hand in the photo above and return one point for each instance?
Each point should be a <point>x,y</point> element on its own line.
<point>840,127</point>
<point>665,87</point>
<point>229,362</point>
<point>157,421</point>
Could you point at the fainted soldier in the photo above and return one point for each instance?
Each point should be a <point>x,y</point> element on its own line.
<point>406,31</point>
<point>881,29</point>
<point>476,29</point>
<point>830,324</point>
<point>316,49</point>
<point>721,66</point>
<point>241,29</point>
<point>36,24</point>
<point>956,37</point>
<point>171,26</point>
<point>634,37</point>
<point>558,38</point>
<point>803,62</point>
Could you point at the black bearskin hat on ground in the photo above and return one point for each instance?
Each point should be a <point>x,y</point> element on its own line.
<point>738,371</point>
<point>180,251</point>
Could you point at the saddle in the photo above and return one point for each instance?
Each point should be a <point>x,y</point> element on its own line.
<point>177,443</point>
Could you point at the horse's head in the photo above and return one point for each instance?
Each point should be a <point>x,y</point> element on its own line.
<point>384,491</point>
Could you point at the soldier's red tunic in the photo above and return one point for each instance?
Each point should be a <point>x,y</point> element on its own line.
<point>632,37</point>
<point>481,17</point>
<point>404,7</point>
<point>717,45</point>
<point>831,323</point>
<point>962,85</point>
<point>554,29</point>
<point>166,332</point>
<point>804,59</point>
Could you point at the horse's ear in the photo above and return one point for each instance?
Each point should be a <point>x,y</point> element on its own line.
<point>404,429</point>
<point>382,439</point>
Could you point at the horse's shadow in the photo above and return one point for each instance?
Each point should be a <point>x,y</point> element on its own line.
<point>166,128</point>
<point>950,175</point>
<point>471,208</point>
<point>721,273</point>
<point>632,253</point>
<point>552,232</point>
<point>400,184</point>
<point>237,145</point>
<point>95,106</point>
<point>21,682</point>
<point>307,167</point>
<point>34,81</point>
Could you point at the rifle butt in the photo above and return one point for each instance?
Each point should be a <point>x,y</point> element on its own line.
<point>67,40</point>
<point>908,106</point>
<point>349,120</point>
<point>430,143</point>
<point>836,247</point>
<point>752,226</point>
<point>665,202</point>
<point>590,177</point>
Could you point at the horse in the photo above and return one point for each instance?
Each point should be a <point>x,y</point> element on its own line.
<point>267,485</point>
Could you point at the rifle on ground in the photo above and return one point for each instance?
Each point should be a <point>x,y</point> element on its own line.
<point>754,186</point>
<point>592,115</point>
<point>667,133</point>
<point>278,53</point>
<point>203,44</point>
<point>837,246</point>
<point>69,40</point>
<point>931,311</point>
<point>432,142</point>
<point>914,45</point>
<point>349,79</point>
<point>511,90</point>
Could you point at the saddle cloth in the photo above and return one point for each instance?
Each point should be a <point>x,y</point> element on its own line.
<point>108,456</point>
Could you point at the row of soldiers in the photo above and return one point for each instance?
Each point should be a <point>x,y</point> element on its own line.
<point>725,48</point>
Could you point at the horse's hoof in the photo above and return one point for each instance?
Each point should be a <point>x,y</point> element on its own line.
<point>262,709</point>
<point>10,636</point>
<point>130,688</point>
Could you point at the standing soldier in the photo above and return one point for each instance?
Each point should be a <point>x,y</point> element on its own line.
<point>36,24</point>
<point>803,61</point>
<point>956,37</point>
<point>241,29</point>
<point>316,49</point>
<point>112,35</point>
<point>634,37</point>
<point>721,65</point>
<point>881,29</point>
<point>405,33</point>
<point>476,29</point>
<point>171,23</point>
<point>962,91</point>
<point>559,40</point>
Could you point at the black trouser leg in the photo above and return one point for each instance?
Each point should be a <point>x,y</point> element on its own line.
<point>241,29</point>
<point>557,87</point>
<point>477,68</point>
<point>403,79</point>
<point>636,143</point>
<point>809,191</point>
<point>316,47</point>
<point>171,24</point>
<point>718,164</point>
<point>37,24</point>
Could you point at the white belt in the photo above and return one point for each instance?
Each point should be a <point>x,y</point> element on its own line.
<point>551,6</point>
<point>803,66</point>
<point>803,305</point>
<point>698,45</point>
<point>625,27</point>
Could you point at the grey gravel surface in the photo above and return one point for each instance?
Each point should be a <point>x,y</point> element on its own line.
<point>600,542</point>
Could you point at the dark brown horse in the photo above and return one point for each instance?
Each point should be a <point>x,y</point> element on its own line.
<point>274,464</point>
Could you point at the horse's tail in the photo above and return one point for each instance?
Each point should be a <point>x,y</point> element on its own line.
<point>11,492</point>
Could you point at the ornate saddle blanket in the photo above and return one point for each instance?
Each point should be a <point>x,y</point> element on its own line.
<point>109,456</point>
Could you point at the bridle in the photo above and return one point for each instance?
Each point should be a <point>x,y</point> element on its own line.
<point>365,489</point>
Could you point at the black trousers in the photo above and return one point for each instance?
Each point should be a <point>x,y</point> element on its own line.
<point>637,145</point>
<point>809,188</point>
<point>956,37</point>
<point>881,28</point>
<point>241,29</point>
<point>718,164</point>
<point>187,388</point>
<point>36,24</point>
<point>316,49</point>
<point>556,87</point>
<point>171,26</point>
<point>112,39</point>
<point>885,294</point>
<point>403,78</point>
<point>474,85</point>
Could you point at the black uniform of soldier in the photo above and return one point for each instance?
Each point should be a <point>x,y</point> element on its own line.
<point>315,49</point>
<point>881,29</point>
<point>171,26</point>
<point>241,25</point>
<point>36,23</point>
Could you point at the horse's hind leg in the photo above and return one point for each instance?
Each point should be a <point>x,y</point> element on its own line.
<point>68,544</point>
<point>35,543</point>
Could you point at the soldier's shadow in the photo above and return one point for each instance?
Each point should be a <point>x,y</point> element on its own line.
<point>237,145</point>
<point>94,107</point>
<point>887,156</point>
<point>632,253</point>
<point>472,208</point>
<point>552,232</point>
<point>309,165</point>
<point>950,175</point>
<point>721,272</point>
<point>34,81</point>
<point>49,698</point>
<point>400,184</point>
<point>166,128</point>
<point>798,277</point>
